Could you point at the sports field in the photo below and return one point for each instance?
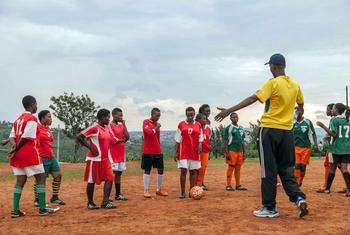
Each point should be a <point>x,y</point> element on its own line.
<point>220,212</point>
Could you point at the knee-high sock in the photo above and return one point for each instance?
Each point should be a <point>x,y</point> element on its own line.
<point>35,191</point>
<point>229,175</point>
<point>159,181</point>
<point>330,180</point>
<point>346,176</point>
<point>17,192</point>
<point>42,195</point>
<point>146,182</point>
<point>56,187</point>
<point>117,189</point>
<point>238,175</point>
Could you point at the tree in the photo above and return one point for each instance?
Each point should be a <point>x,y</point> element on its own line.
<point>76,112</point>
<point>217,144</point>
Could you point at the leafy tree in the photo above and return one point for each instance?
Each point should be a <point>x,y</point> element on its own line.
<point>76,112</point>
<point>217,143</point>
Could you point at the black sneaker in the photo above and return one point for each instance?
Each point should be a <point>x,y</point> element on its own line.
<point>182,196</point>
<point>204,187</point>
<point>303,210</point>
<point>108,205</point>
<point>57,201</point>
<point>48,210</point>
<point>121,198</point>
<point>92,206</point>
<point>17,213</point>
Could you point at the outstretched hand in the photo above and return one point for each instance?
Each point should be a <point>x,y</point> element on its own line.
<point>222,115</point>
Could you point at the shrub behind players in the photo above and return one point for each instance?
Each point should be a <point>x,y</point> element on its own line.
<point>234,152</point>
<point>120,136</point>
<point>339,132</point>
<point>24,157</point>
<point>203,114</point>
<point>152,155</point>
<point>302,130</point>
<point>189,138</point>
<point>98,166</point>
<point>51,165</point>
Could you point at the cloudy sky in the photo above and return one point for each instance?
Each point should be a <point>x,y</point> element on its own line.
<point>170,54</point>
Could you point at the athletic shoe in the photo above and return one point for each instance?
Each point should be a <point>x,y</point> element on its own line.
<point>17,213</point>
<point>108,205</point>
<point>57,201</point>
<point>347,194</point>
<point>344,190</point>
<point>48,210</point>
<point>121,198</point>
<point>303,210</point>
<point>92,206</point>
<point>229,188</point>
<point>182,196</point>
<point>241,188</point>
<point>265,213</point>
<point>162,193</point>
<point>204,187</point>
<point>36,203</point>
<point>146,194</point>
<point>323,191</point>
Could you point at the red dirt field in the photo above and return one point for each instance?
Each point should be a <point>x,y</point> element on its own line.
<point>220,212</point>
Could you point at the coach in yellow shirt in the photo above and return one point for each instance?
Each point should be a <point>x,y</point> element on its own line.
<point>276,141</point>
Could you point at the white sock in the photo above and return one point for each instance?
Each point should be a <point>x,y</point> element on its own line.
<point>159,181</point>
<point>146,182</point>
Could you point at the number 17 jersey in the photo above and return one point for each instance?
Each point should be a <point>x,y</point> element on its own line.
<point>341,143</point>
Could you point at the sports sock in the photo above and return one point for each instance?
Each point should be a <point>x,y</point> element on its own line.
<point>330,180</point>
<point>117,189</point>
<point>346,176</point>
<point>55,188</point>
<point>41,195</point>
<point>159,181</point>
<point>17,192</point>
<point>146,182</point>
<point>302,175</point>
<point>238,175</point>
<point>229,175</point>
<point>35,192</point>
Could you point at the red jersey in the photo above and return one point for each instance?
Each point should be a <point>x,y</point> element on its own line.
<point>99,139</point>
<point>45,139</point>
<point>206,139</point>
<point>116,151</point>
<point>25,127</point>
<point>189,135</point>
<point>151,138</point>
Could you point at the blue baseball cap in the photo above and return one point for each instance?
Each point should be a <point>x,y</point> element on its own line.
<point>277,59</point>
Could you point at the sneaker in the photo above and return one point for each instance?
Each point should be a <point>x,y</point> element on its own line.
<point>182,196</point>
<point>347,194</point>
<point>162,193</point>
<point>343,190</point>
<point>36,202</point>
<point>17,213</point>
<point>108,205</point>
<point>320,190</point>
<point>265,213</point>
<point>146,194</point>
<point>121,198</point>
<point>48,210</point>
<point>229,188</point>
<point>92,206</point>
<point>241,188</point>
<point>204,187</point>
<point>303,210</point>
<point>57,201</point>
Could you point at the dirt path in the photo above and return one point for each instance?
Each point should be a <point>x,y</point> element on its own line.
<point>220,212</point>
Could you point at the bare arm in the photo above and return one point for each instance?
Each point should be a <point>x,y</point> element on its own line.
<point>244,103</point>
<point>126,132</point>
<point>176,151</point>
<point>326,129</point>
<point>81,139</point>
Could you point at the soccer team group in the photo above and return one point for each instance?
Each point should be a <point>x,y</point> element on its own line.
<point>284,145</point>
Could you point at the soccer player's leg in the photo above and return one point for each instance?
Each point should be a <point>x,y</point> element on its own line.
<point>17,192</point>
<point>146,165</point>
<point>90,186</point>
<point>304,162</point>
<point>106,175</point>
<point>118,169</point>
<point>158,163</point>
<point>298,162</point>
<point>183,166</point>
<point>238,167</point>
<point>193,166</point>
<point>55,171</point>
<point>231,164</point>
<point>327,166</point>
<point>202,170</point>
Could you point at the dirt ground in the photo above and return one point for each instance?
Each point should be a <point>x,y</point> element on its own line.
<point>220,212</point>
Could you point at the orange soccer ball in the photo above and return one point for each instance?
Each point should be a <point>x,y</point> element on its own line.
<point>197,193</point>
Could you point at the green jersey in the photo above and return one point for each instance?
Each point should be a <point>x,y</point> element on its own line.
<point>235,137</point>
<point>341,143</point>
<point>303,132</point>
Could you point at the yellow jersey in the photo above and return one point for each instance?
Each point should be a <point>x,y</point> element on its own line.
<point>280,95</point>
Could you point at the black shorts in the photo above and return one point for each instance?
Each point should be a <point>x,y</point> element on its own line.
<point>341,158</point>
<point>152,160</point>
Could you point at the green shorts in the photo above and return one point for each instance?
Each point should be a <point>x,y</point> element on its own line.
<point>50,165</point>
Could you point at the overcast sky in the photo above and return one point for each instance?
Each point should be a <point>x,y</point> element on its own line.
<point>170,54</point>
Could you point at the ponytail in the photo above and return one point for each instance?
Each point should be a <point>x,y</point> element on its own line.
<point>347,112</point>
<point>341,108</point>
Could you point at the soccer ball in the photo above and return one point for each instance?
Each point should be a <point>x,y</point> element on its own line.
<point>197,193</point>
